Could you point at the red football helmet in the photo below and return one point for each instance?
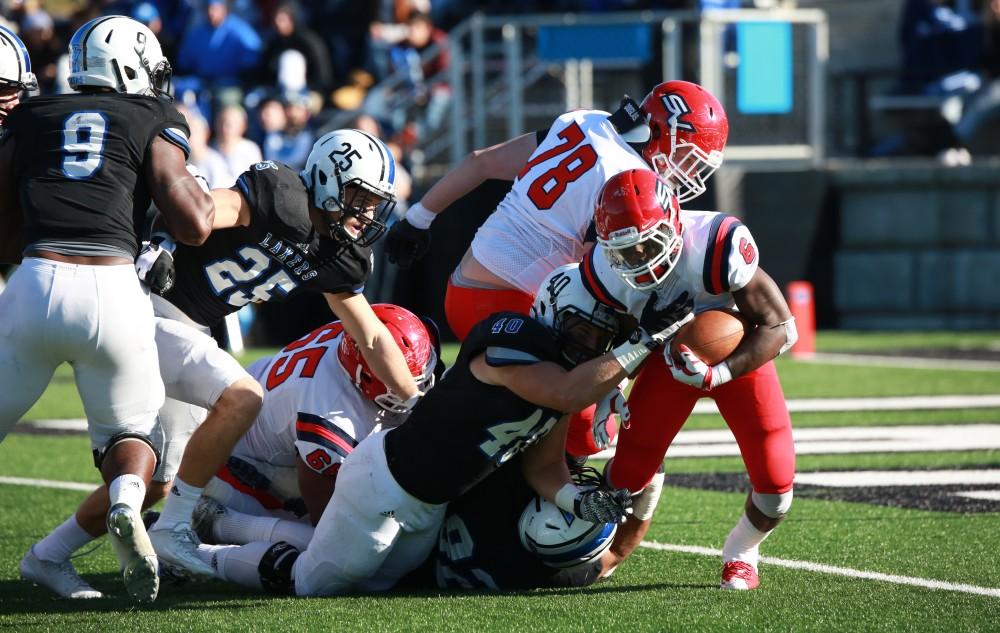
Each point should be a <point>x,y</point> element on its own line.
<point>638,223</point>
<point>688,131</point>
<point>418,344</point>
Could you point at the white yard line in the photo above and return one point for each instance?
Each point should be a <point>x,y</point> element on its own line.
<point>48,483</point>
<point>909,362</point>
<point>927,583</point>
<point>820,568</point>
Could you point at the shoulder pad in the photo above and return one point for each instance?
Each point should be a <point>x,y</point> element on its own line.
<point>510,338</point>
<point>278,198</point>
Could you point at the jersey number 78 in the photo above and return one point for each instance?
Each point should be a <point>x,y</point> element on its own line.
<point>546,189</point>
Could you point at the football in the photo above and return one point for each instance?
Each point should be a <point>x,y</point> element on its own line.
<point>712,335</point>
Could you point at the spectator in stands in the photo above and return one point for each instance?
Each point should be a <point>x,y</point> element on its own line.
<point>148,14</point>
<point>942,47</point>
<point>238,151</point>
<point>288,137</point>
<point>38,33</point>
<point>291,34</point>
<point>221,49</point>
<point>346,27</point>
<point>207,159</point>
<point>979,126</point>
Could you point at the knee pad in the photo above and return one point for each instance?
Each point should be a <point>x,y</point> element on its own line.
<point>772,505</point>
<point>275,569</point>
<point>125,437</point>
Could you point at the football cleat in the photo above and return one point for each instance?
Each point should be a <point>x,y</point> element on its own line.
<point>206,512</point>
<point>135,553</point>
<point>178,546</point>
<point>61,578</point>
<point>739,575</point>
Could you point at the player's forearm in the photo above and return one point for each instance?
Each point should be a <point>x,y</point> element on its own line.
<point>544,464</point>
<point>389,366</point>
<point>587,383</point>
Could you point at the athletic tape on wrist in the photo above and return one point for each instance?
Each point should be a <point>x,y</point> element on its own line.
<point>631,353</point>
<point>419,216</point>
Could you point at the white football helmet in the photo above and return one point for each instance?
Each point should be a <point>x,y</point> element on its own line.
<point>352,174</point>
<point>584,326</point>
<point>15,65</point>
<point>117,52</point>
<point>560,539</point>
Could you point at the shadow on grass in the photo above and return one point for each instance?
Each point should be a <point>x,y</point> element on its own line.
<point>20,597</point>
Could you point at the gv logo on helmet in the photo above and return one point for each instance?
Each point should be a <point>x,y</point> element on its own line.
<point>677,107</point>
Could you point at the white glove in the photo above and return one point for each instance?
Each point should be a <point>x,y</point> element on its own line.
<point>610,405</point>
<point>196,174</point>
<point>155,263</point>
<point>694,371</point>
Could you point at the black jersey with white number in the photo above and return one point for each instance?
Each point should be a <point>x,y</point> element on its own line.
<point>276,256</point>
<point>463,429</point>
<point>479,545</point>
<point>79,164</point>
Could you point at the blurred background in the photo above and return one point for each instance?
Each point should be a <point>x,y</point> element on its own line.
<point>864,150</point>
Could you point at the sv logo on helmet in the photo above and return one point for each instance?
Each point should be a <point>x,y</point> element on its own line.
<point>344,157</point>
<point>677,107</point>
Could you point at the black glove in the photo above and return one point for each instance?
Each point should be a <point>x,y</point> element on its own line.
<point>602,505</point>
<point>406,243</point>
<point>662,323</point>
<point>155,264</point>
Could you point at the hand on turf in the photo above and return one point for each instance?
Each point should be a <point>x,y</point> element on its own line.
<point>405,243</point>
<point>691,370</point>
<point>608,407</point>
<point>602,505</point>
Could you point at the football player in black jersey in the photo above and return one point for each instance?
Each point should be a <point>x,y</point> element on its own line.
<point>514,380</point>
<point>277,232</point>
<point>83,168</point>
<point>15,78</point>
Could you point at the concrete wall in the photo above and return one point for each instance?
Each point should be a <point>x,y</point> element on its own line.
<point>888,246</point>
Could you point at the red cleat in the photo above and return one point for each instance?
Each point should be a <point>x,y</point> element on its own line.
<point>739,575</point>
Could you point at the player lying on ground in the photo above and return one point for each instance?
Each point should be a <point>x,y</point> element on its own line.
<point>488,553</point>
<point>705,260</point>
<point>513,381</point>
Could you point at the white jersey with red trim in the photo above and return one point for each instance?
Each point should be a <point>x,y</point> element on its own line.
<point>719,256</point>
<point>312,411</point>
<point>543,221</point>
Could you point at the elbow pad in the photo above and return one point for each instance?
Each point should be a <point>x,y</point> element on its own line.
<point>791,335</point>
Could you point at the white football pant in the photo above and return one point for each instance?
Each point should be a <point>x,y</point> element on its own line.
<point>99,319</point>
<point>372,532</point>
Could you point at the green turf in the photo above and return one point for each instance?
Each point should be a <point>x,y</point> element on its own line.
<point>653,591</point>
<point>852,341</point>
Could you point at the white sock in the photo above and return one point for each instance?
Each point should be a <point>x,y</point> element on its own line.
<point>128,489</point>
<point>239,528</point>
<point>239,563</point>
<point>179,505</point>
<point>743,542</point>
<point>61,542</point>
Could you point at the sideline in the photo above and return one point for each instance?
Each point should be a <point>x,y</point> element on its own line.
<point>913,581</point>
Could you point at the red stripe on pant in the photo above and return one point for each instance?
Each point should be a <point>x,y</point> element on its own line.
<point>465,307</point>
<point>753,406</point>
<point>266,499</point>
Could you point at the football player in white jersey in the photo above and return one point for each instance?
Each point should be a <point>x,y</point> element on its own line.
<point>321,399</point>
<point>700,260</point>
<point>546,220</point>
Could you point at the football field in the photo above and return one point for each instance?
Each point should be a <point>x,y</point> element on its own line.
<point>895,524</point>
